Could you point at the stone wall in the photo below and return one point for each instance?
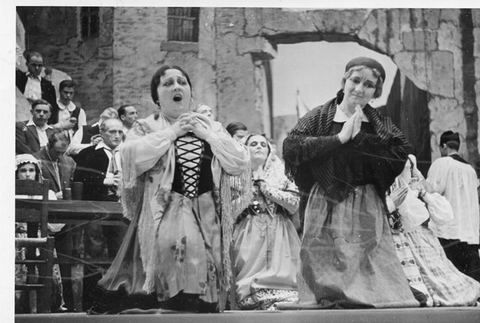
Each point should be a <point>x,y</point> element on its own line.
<point>54,31</point>
<point>229,65</point>
<point>141,47</point>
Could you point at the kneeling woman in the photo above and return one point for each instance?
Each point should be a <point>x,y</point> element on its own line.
<point>173,162</point>
<point>266,244</point>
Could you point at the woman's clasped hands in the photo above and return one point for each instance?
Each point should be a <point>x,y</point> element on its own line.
<point>352,126</point>
<point>187,122</point>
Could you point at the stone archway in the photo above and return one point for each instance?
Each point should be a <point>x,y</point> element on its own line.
<point>429,46</point>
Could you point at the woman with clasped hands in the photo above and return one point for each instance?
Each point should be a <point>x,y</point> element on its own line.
<point>173,162</point>
<point>344,156</point>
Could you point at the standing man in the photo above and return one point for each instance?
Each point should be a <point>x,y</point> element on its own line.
<point>58,169</point>
<point>454,178</point>
<point>33,134</point>
<point>70,117</point>
<point>100,171</point>
<point>128,115</point>
<point>33,86</point>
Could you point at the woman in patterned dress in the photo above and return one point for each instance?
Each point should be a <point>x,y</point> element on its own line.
<point>176,165</point>
<point>266,252</point>
<point>436,277</point>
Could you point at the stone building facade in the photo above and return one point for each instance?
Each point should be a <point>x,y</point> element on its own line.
<point>436,49</point>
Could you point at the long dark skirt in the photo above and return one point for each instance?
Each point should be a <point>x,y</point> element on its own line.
<point>347,254</point>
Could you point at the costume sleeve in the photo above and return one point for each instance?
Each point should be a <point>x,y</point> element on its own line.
<point>21,146</point>
<point>436,177</point>
<point>233,157</point>
<point>287,197</point>
<point>76,145</point>
<point>82,119</point>
<point>439,208</point>
<point>143,148</point>
<point>303,144</point>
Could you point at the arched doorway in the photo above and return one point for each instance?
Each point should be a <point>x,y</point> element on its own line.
<point>403,102</point>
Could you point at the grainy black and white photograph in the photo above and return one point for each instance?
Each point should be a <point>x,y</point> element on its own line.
<point>242,162</point>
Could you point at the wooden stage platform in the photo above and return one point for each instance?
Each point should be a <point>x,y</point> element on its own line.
<point>403,315</point>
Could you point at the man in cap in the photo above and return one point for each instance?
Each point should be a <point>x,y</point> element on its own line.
<point>454,178</point>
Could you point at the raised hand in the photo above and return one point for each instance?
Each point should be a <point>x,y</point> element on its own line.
<point>198,128</point>
<point>347,129</point>
<point>399,195</point>
<point>182,126</point>
<point>357,123</point>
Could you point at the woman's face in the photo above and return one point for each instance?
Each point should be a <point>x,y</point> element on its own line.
<point>27,171</point>
<point>174,93</point>
<point>360,87</point>
<point>258,148</point>
<point>205,110</point>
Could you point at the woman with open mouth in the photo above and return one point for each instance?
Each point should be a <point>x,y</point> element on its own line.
<point>174,161</point>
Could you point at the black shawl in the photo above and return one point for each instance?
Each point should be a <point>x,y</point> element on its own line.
<point>308,148</point>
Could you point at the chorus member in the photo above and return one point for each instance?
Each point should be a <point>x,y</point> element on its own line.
<point>344,156</point>
<point>35,87</point>
<point>418,210</point>
<point>128,114</point>
<point>237,130</point>
<point>70,116</point>
<point>266,244</point>
<point>33,134</point>
<point>454,178</point>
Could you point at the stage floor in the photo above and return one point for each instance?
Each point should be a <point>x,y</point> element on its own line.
<point>403,315</point>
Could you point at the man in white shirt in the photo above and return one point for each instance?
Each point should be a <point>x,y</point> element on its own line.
<point>33,86</point>
<point>70,117</point>
<point>452,176</point>
<point>128,115</point>
<point>32,135</point>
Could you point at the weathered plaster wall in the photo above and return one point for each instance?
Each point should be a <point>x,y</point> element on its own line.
<point>141,47</point>
<point>54,31</point>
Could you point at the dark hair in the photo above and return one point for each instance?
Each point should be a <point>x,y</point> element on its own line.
<point>232,127</point>
<point>269,145</point>
<point>451,139</point>
<point>121,110</point>
<point>57,135</point>
<point>66,83</point>
<point>41,101</point>
<point>28,55</point>
<point>156,80</point>
<point>37,170</point>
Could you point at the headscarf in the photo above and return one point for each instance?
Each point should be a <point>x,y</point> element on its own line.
<point>23,159</point>
<point>274,175</point>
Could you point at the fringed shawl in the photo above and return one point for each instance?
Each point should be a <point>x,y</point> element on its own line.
<point>137,171</point>
<point>308,148</point>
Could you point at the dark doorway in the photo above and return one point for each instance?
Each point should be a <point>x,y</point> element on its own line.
<point>408,109</point>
